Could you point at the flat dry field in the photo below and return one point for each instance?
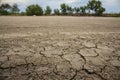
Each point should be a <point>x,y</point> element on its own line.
<point>59,48</point>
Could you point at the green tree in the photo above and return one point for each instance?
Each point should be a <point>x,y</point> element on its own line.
<point>34,10</point>
<point>96,7</point>
<point>69,10</point>
<point>91,5</point>
<point>100,11</point>
<point>56,12</point>
<point>77,9</point>
<point>63,9</point>
<point>15,9</point>
<point>4,9</point>
<point>48,10</point>
<point>83,9</point>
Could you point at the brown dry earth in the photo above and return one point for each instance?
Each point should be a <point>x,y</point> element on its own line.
<point>59,48</point>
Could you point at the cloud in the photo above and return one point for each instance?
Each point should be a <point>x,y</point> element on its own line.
<point>13,1</point>
<point>54,3</point>
<point>110,2</point>
<point>111,5</point>
<point>26,1</point>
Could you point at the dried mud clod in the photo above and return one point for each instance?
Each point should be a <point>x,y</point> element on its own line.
<point>61,56</point>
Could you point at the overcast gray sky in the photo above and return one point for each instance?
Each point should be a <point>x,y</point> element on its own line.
<point>110,5</point>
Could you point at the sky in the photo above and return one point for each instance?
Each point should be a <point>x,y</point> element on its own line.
<point>112,6</point>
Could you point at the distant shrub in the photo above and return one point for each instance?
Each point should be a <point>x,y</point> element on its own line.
<point>111,15</point>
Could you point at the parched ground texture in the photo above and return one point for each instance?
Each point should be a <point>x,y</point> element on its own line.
<point>59,48</point>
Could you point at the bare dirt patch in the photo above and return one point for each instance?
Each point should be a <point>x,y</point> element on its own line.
<point>59,48</point>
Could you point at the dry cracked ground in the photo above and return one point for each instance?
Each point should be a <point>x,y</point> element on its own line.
<point>59,48</point>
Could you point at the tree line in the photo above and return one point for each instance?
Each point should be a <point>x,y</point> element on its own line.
<point>6,9</point>
<point>93,7</point>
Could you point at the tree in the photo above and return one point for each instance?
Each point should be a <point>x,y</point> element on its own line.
<point>77,10</point>
<point>15,9</point>
<point>69,9</point>
<point>63,8</point>
<point>4,9</point>
<point>91,5</point>
<point>48,10</point>
<point>95,7</point>
<point>83,9</point>
<point>98,8</point>
<point>100,11</point>
<point>34,10</point>
<point>56,12</point>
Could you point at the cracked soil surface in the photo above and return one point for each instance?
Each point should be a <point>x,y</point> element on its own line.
<point>59,48</point>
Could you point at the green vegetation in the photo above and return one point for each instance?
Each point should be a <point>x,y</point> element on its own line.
<point>83,9</point>
<point>77,10</point>
<point>34,10</point>
<point>92,8</point>
<point>69,10</point>
<point>48,10</point>
<point>15,9</point>
<point>63,9</point>
<point>56,12</point>
<point>5,9</point>
<point>95,7</point>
